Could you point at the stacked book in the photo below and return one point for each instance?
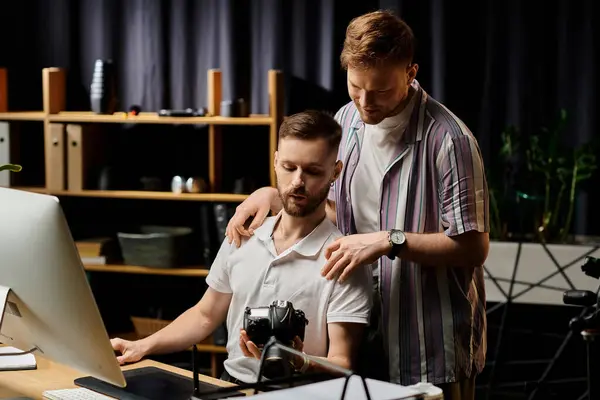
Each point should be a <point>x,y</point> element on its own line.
<point>98,251</point>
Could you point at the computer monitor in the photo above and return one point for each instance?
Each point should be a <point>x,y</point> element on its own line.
<point>50,304</point>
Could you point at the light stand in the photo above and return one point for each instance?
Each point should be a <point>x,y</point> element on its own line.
<point>261,385</point>
<point>588,324</point>
<point>195,377</point>
<point>590,336</point>
<point>273,342</point>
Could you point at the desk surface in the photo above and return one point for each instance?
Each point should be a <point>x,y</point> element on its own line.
<point>50,376</point>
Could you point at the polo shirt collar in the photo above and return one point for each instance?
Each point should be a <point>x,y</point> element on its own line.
<point>309,246</point>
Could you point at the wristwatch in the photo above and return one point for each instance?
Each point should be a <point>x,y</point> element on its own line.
<point>397,239</point>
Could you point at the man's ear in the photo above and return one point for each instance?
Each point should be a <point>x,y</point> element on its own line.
<point>275,159</point>
<point>338,170</point>
<point>412,70</point>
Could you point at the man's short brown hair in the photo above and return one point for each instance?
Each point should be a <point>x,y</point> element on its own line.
<point>376,38</point>
<point>312,124</point>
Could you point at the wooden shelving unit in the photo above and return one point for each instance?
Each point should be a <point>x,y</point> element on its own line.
<point>60,167</point>
<point>55,119</point>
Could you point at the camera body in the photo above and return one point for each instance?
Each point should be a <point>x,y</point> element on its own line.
<point>279,319</point>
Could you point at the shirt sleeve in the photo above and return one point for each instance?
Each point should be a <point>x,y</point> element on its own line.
<point>218,276</point>
<point>463,187</point>
<point>351,301</point>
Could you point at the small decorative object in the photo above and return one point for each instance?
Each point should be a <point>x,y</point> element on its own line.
<point>103,90</point>
<point>188,112</point>
<point>242,109</point>
<point>135,110</point>
<point>237,108</point>
<point>227,109</point>
<point>195,185</point>
<point>11,167</point>
<point>177,184</point>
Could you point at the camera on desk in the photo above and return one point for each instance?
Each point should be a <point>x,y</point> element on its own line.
<point>281,321</point>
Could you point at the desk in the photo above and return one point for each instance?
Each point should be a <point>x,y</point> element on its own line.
<point>50,375</point>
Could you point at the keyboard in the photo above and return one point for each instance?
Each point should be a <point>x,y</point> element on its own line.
<point>74,394</point>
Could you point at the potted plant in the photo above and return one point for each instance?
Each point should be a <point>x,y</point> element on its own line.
<point>533,192</point>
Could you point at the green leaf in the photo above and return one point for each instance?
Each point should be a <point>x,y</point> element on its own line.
<point>11,167</point>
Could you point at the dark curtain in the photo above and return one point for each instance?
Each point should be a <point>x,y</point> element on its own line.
<point>163,49</point>
<point>502,63</point>
<point>492,63</point>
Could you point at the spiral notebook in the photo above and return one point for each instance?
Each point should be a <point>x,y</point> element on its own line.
<point>16,363</point>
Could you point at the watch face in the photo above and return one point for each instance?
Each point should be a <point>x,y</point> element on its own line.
<point>397,237</point>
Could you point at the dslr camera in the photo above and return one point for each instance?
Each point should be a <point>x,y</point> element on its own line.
<point>281,321</point>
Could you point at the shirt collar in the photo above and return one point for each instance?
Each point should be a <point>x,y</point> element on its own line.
<point>309,246</point>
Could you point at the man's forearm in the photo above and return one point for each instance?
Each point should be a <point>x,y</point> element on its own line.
<point>438,250</point>
<point>193,326</point>
<point>340,361</point>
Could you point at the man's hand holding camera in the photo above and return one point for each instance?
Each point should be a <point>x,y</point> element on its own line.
<point>252,350</point>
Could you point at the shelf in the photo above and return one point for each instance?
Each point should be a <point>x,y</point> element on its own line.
<point>142,195</point>
<point>131,269</point>
<point>22,116</point>
<point>211,348</point>
<point>153,118</point>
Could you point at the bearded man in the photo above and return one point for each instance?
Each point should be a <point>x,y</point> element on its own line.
<point>281,261</point>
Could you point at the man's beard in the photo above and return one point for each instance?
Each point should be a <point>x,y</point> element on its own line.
<point>313,201</point>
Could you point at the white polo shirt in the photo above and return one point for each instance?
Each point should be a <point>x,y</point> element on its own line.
<point>257,276</point>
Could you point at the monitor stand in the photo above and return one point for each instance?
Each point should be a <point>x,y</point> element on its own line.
<point>13,359</point>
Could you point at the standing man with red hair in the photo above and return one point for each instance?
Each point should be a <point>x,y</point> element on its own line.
<point>412,202</point>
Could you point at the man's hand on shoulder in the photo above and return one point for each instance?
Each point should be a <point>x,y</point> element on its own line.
<point>251,213</point>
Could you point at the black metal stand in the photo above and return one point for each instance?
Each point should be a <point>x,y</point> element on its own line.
<point>591,337</point>
<point>345,372</point>
<point>291,380</point>
<point>511,295</point>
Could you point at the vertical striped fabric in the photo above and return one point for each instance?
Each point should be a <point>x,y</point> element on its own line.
<point>434,318</point>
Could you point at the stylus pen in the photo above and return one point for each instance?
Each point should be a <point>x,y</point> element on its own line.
<point>195,369</point>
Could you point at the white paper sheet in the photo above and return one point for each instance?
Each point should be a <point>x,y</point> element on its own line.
<point>13,363</point>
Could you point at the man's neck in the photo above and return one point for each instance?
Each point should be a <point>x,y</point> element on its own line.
<point>290,229</point>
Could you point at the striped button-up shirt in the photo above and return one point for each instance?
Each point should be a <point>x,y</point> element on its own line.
<point>434,320</point>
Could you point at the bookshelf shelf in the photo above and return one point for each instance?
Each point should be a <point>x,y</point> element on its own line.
<point>22,116</point>
<point>131,269</point>
<point>145,195</point>
<point>141,195</point>
<point>154,118</point>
